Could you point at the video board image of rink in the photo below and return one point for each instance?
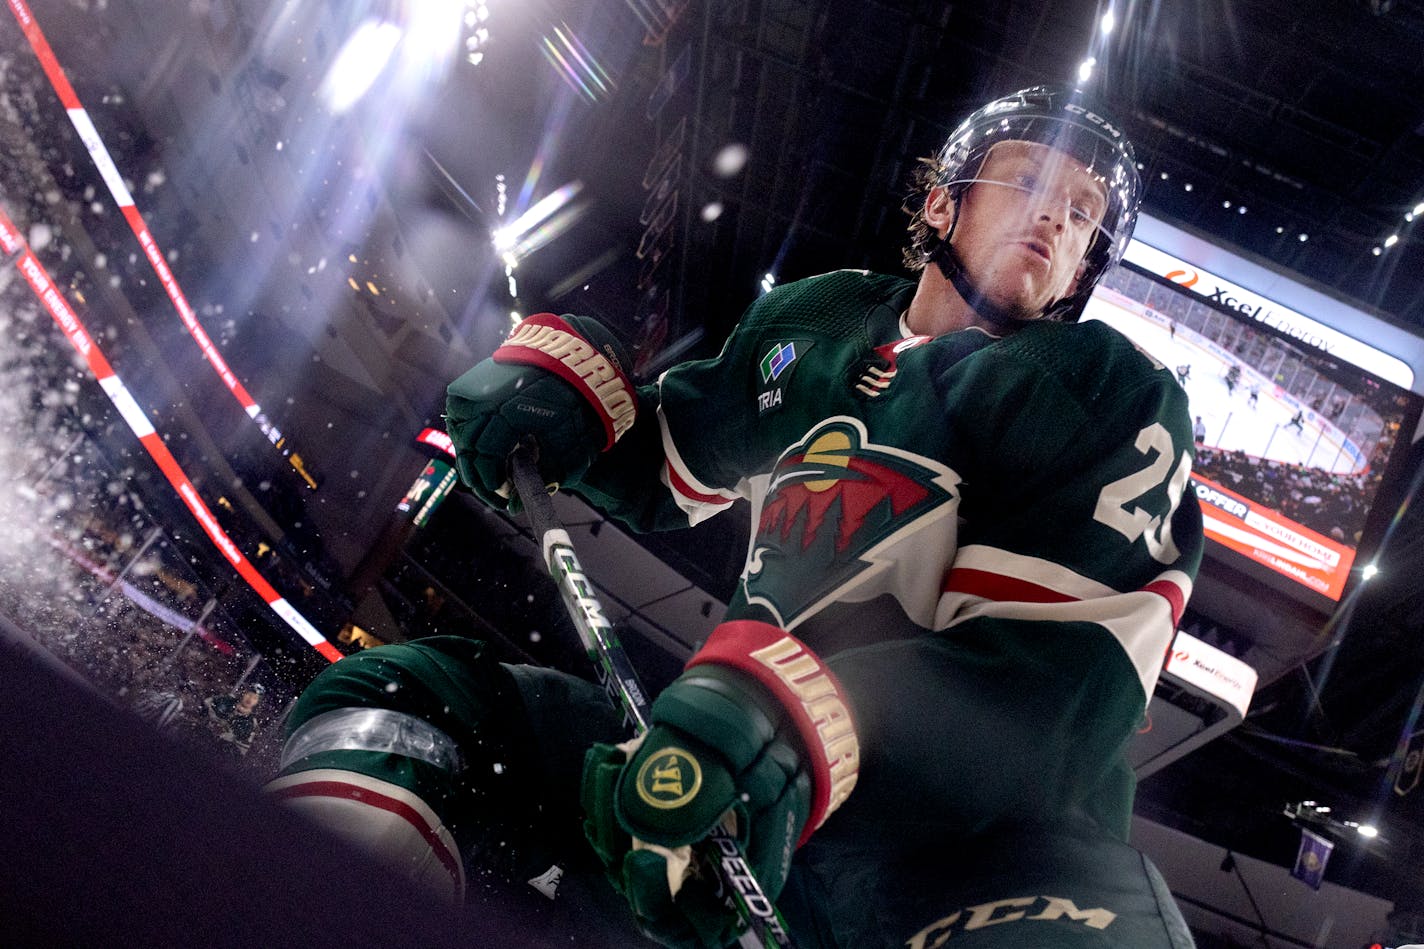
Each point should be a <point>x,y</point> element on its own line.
<point>1291,446</point>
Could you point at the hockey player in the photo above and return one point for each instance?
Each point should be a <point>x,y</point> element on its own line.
<point>231,717</point>
<point>971,544</point>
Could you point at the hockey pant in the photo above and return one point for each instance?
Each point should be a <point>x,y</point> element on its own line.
<point>464,772</point>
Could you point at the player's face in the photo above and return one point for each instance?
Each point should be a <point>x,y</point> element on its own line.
<point>1026,224</point>
<point>247,703</point>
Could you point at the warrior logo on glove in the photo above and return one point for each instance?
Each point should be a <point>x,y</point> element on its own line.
<point>670,779</point>
<point>546,341</point>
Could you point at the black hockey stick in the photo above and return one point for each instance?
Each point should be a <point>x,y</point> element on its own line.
<point>620,681</point>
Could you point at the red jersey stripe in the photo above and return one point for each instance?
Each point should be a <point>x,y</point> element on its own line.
<point>1000,588</point>
<point>1172,593</point>
<point>996,586</point>
<point>686,490</point>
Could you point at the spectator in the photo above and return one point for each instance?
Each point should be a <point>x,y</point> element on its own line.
<point>157,707</point>
<point>232,717</point>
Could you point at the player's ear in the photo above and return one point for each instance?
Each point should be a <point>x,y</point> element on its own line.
<point>939,210</point>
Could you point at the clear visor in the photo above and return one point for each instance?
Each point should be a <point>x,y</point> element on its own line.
<point>1077,165</point>
<point>1083,210</point>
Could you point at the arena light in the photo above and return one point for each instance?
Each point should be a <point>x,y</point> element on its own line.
<point>1085,68</point>
<point>1391,240</point>
<point>730,159</point>
<point>1368,831</point>
<point>561,221</point>
<point>576,65</point>
<point>361,60</point>
<point>1106,24</point>
<point>478,38</point>
<point>711,211</point>
<point>509,237</point>
<point>1369,572</point>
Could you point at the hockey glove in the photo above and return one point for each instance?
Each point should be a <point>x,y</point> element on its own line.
<point>755,733</point>
<point>557,380</point>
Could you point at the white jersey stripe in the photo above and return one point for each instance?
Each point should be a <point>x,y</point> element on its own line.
<point>1142,621</point>
<point>694,498</point>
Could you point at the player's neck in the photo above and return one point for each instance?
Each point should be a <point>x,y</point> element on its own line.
<point>937,308</point>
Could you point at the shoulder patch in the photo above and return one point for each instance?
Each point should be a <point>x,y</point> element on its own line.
<point>774,370</point>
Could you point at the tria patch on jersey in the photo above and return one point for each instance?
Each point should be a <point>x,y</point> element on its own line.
<point>777,360</point>
<point>774,372</point>
<point>834,501</point>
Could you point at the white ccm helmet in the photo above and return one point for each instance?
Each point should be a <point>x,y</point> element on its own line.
<point>1063,119</point>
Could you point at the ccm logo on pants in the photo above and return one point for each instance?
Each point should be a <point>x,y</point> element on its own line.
<point>970,918</point>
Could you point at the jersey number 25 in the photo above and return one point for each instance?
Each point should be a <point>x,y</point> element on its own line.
<point>1116,503</point>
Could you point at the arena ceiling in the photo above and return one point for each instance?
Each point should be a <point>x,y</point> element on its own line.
<point>343,257</point>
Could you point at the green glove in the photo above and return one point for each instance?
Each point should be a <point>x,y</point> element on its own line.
<point>728,738</point>
<point>557,380</point>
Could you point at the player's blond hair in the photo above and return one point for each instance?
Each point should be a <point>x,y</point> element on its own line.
<point>923,238</point>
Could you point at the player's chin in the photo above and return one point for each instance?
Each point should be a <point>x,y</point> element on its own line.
<point>1024,307</point>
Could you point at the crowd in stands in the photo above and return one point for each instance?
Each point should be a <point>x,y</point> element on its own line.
<point>137,661</point>
<point>1331,504</point>
<point>69,518</point>
<point>70,525</point>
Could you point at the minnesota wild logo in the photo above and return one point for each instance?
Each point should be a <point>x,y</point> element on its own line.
<point>836,501</point>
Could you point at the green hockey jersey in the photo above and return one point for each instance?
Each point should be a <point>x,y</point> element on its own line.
<point>989,539</point>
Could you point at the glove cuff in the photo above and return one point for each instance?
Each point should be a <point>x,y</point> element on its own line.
<point>551,343</point>
<point>812,697</point>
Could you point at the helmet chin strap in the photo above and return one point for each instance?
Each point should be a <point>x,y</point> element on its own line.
<point>947,259</point>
